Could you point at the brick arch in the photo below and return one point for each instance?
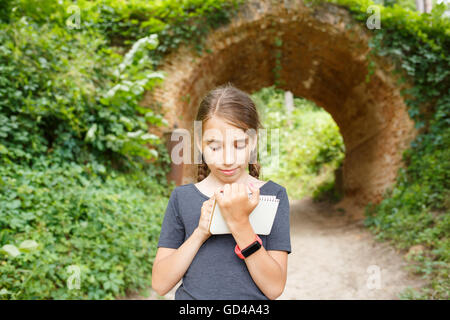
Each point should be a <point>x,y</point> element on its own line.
<point>324,59</point>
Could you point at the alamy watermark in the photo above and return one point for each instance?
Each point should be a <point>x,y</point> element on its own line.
<point>374,279</point>
<point>74,21</point>
<point>74,280</point>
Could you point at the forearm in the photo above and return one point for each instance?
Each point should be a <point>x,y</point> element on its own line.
<point>265,271</point>
<point>168,271</point>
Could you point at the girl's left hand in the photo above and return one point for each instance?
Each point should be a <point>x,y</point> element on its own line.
<point>234,203</point>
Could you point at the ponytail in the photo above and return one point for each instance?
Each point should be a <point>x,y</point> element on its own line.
<point>203,170</point>
<point>253,169</point>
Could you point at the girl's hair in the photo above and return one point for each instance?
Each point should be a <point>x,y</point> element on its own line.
<point>237,107</point>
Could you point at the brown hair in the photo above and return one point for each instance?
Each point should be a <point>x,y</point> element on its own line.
<point>237,107</point>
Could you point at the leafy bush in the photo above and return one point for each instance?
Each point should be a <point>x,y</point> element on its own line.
<point>124,22</point>
<point>107,226</point>
<point>65,104</point>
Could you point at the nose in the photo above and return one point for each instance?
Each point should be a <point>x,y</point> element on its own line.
<point>229,155</point>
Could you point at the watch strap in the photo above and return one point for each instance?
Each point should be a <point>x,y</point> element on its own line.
<point>250,249</point>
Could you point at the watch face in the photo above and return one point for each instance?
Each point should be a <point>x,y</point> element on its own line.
<point>251,249</point>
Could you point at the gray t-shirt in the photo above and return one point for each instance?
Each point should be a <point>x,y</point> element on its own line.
<point>216,272</point>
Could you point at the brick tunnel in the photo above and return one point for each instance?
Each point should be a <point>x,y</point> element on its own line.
<point>323,58</point>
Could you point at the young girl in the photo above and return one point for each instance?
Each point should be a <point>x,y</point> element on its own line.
<point>212,267</point>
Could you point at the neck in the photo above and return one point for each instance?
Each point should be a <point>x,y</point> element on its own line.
<point>217,183</point>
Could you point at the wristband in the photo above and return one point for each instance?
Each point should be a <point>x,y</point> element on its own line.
<point>252,248</point>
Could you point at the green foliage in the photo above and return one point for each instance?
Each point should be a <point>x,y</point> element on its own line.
<point>56,100</point>
<point>310,145</point>
<point>123,22</point>
<point>106,225</point>
<point>416,209</point>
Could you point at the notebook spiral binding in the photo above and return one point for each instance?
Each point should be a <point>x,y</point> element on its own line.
<point>268,198</point>
<point>264,197</point>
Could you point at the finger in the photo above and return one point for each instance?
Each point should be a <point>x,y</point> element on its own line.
<point>239,189</point>
<point>209,218</point>
<point>227,190</point>
<point>242,189</point>
<point>255,194</point>
<point>218,196</point>
<point>234,188</point>
<point>210,212</point>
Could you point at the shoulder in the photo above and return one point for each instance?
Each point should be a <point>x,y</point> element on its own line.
<point>182,188</point>
<point>178,196</point>
<point>183,191</point>
<point>276,188</point>
<point>266,184</point>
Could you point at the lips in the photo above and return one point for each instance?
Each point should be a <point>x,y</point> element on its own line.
<point>228,172</point>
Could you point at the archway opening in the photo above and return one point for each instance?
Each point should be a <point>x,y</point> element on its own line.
<point>302,148</point>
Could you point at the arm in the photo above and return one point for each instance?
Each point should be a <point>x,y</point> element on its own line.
<point>267,268</point>
<point>171,264</point>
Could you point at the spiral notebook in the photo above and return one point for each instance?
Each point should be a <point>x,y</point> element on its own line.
<point>261,218</point>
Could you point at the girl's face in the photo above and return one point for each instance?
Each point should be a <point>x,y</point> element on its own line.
<point>226,148</point>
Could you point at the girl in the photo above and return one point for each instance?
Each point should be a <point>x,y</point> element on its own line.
<point>218,266</point>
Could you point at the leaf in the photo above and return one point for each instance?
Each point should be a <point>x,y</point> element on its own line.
<point>3,291</point>
<point>28,245</point>
<point>149,136</point>
<point>135,134</point>
<point>14,204</point>
<point>11,250</point>
<point>3,149</point>
<point>154,153</point>
<point>90,135</point>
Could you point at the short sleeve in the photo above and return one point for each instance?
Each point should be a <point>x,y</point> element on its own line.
<point>279,237</point>
<point>172,229</point>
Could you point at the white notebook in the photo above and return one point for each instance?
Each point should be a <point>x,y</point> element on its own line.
<point>261,218</point>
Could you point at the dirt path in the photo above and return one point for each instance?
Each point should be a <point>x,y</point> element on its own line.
<point>336,258</point>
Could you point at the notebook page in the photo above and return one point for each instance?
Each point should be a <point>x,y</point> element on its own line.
<point>261,218</point>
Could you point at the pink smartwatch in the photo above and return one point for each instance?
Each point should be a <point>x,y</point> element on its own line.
<point>250,249</point>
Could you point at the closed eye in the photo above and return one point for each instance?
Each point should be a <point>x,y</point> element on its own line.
<point>238,144</point>
<point>241,144</point>
<point>214,148</point>
<point>240,147</point>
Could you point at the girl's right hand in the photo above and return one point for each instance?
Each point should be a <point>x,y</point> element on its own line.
<point>205,217</point>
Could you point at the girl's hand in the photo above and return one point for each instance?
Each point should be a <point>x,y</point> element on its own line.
<point>235,205</point>
<point>205,217</point>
